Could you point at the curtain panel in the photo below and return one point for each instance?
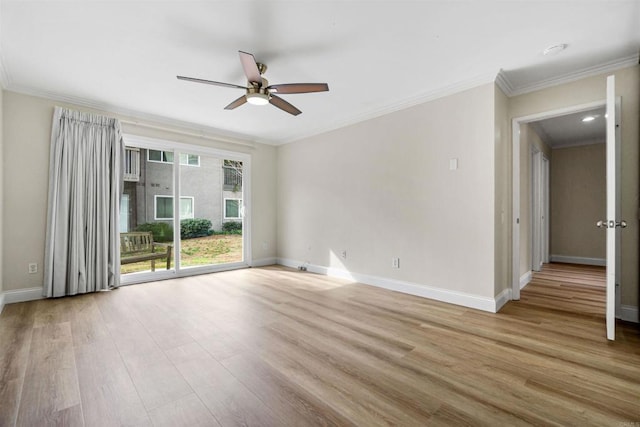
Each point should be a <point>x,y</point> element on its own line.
<point>82,252</point>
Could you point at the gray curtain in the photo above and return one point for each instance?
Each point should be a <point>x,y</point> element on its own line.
<point>82,251</point>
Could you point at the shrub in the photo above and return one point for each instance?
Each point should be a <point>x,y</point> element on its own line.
<point>162,232</point>
<point>232,227</point>
<point>195,227</point>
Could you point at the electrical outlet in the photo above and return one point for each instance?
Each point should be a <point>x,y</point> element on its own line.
<point>33,267</point>
<point>343,254</point>
<point>265,246</point>
<point>395,262</point>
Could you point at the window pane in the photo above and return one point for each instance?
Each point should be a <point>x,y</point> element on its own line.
<point>232,208</point>
<point>168,156</point>
<point>189,159</point>
<point>186,207</point>
<point>155,155</point>
<point>164,207</point>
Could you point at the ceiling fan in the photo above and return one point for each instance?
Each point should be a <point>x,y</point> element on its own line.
<point>258,90</point>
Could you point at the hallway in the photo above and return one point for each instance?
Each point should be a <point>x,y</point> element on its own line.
<point>568,288</point>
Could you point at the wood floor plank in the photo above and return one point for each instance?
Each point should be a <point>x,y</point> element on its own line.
<point>87,324</point>
<point>188,411</point>
<point>278,347</point>
<point>285,397</point>
<point>51,393</point>
<point>224,395</point>
<point>156,380</point>
<point>109,397</point>
<point>16,329</point>
<point>418,394</point>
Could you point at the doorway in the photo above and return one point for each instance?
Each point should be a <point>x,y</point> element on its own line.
<point>539,209</point>
<point>533,197</point>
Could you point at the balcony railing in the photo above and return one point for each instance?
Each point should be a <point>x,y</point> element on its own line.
<point>232,179</point>
<point>131,164</point>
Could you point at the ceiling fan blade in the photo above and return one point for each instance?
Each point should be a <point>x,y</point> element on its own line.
<point>284,105</point>
<point>299,88</point>
<point>210,82</point>
<point>235,104</point>
<point>250,67</point>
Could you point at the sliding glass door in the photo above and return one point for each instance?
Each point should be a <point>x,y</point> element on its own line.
<point>183,210</point>
<point>210,211</point>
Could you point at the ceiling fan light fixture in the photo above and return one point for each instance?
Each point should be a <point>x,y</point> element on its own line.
<point>257,98</point>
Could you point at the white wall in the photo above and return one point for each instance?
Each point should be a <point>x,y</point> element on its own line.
<point>382,189</point>
<point>26,142</point>
<point>589,90</point>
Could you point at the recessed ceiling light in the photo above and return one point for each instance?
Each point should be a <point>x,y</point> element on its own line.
<point>555,49</point>
<point>588,118</point>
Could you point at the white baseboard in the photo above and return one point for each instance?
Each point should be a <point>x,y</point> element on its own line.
<point>1,302</point>
<point>629,313</point>
<point>525,279</point>
<point>263,262</point>
<point>502,298</point>
<point>578,260</point>
<point>22,295</point>
<point>453,297</point>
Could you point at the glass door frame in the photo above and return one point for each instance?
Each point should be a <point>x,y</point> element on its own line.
<point>176,148</point>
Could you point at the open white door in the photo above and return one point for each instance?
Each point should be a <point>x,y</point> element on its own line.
<point>612,224</point>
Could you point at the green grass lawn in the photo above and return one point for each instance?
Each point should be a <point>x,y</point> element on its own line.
<point>218,249</point>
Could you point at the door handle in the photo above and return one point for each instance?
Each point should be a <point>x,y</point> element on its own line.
<point>611,224</point>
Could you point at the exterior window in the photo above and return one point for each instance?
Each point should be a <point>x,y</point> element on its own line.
<point>232,175</point>
<point>167,157</point>
<point>232,208</point>
<point>164,207</point>
<point>189,159</point>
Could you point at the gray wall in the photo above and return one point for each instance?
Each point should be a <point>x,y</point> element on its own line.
<point>578,201</point>
<point>203,183</point>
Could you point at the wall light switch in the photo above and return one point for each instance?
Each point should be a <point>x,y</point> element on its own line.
<point>453,164</point>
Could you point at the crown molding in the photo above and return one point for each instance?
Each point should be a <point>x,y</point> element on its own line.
<point>398,106</point>
<point>146,120</point>
<point>503,82</point>
<point>606,67</point>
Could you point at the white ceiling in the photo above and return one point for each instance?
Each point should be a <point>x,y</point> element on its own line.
<point>376,56</point>
<point>569,130</point>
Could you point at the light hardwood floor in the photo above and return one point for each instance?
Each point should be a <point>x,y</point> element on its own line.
<point>277,347</point>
